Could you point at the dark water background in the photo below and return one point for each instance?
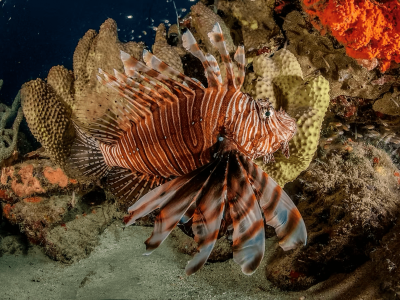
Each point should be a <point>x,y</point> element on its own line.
<point>36,35</point>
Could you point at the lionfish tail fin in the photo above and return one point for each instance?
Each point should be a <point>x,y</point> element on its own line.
<point>217,39</point>
<point>86,157</point>
<point>278,209</point>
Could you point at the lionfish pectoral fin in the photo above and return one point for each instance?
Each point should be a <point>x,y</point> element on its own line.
<point>86,156</point>
<point>128,186</point>
<point>174,198</point>
<point>248,223</point>
<point>278,209</point>
<point>268,158</point>
<point>208,214</point>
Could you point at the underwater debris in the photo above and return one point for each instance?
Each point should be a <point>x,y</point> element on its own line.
<point>349,201</point>
<point>9,136</point>
<point>368,29</point>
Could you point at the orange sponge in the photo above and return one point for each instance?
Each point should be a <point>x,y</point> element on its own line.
<point>368,29</point>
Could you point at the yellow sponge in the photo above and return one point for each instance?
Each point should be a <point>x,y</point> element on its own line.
<point>281,80</point>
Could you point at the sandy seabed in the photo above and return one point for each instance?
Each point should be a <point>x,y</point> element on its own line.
<point>117,269</point>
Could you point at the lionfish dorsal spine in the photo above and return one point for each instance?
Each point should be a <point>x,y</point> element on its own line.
<point>190,44</point>
<point>218,41</point>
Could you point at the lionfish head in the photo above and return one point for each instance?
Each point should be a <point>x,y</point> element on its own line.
<point>279,127</point>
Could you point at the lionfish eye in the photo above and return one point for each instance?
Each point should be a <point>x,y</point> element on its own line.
<point>267,113</point>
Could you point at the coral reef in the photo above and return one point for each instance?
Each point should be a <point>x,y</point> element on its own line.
<point>53,210</point>
<point>348,199</point>
<point>281,80</point>
<point>9,136</point>
<point>34,178</point>
<point>203,20</point>
<point>367,29</point>
<point>164,51</point>
<point>316,53</point>
<point>49,118</point>
<point>257,26</point>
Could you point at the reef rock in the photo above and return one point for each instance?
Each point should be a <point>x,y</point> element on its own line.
<point>349,200</point>
<point>317,53</point>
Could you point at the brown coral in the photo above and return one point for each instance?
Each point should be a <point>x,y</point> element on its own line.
<point>164,51</point>
<point>48,119</point>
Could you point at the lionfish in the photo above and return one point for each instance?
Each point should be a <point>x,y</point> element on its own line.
<point>187,150</point>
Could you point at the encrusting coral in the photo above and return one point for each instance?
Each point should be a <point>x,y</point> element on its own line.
<point>9,136</point>
<point>54,210</point>
<point>281,80</point>
<point>368,29</point>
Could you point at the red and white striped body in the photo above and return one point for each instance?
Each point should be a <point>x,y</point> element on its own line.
<point>178,138</point>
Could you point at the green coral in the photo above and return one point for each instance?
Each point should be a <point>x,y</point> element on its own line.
<point>8,136</point>
<point>281,80</point>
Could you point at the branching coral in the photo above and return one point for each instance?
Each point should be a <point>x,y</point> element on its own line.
<point>368,29</point>
<point>8,136</point>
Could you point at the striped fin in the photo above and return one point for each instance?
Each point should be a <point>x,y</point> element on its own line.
<point>240,58</point>
<point>190,44</point>
<point>279,210</point>
<point>214,66</point>
<point>174,198</point>
<point>158,197</point>
<point>129,186</point>
<point>155,63</point>
<point>208,215</point>
<point>86,156</point>
<point>248,223</point>
<point>217,39</point>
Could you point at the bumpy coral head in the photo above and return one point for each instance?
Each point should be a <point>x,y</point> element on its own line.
<point>277,129</point>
